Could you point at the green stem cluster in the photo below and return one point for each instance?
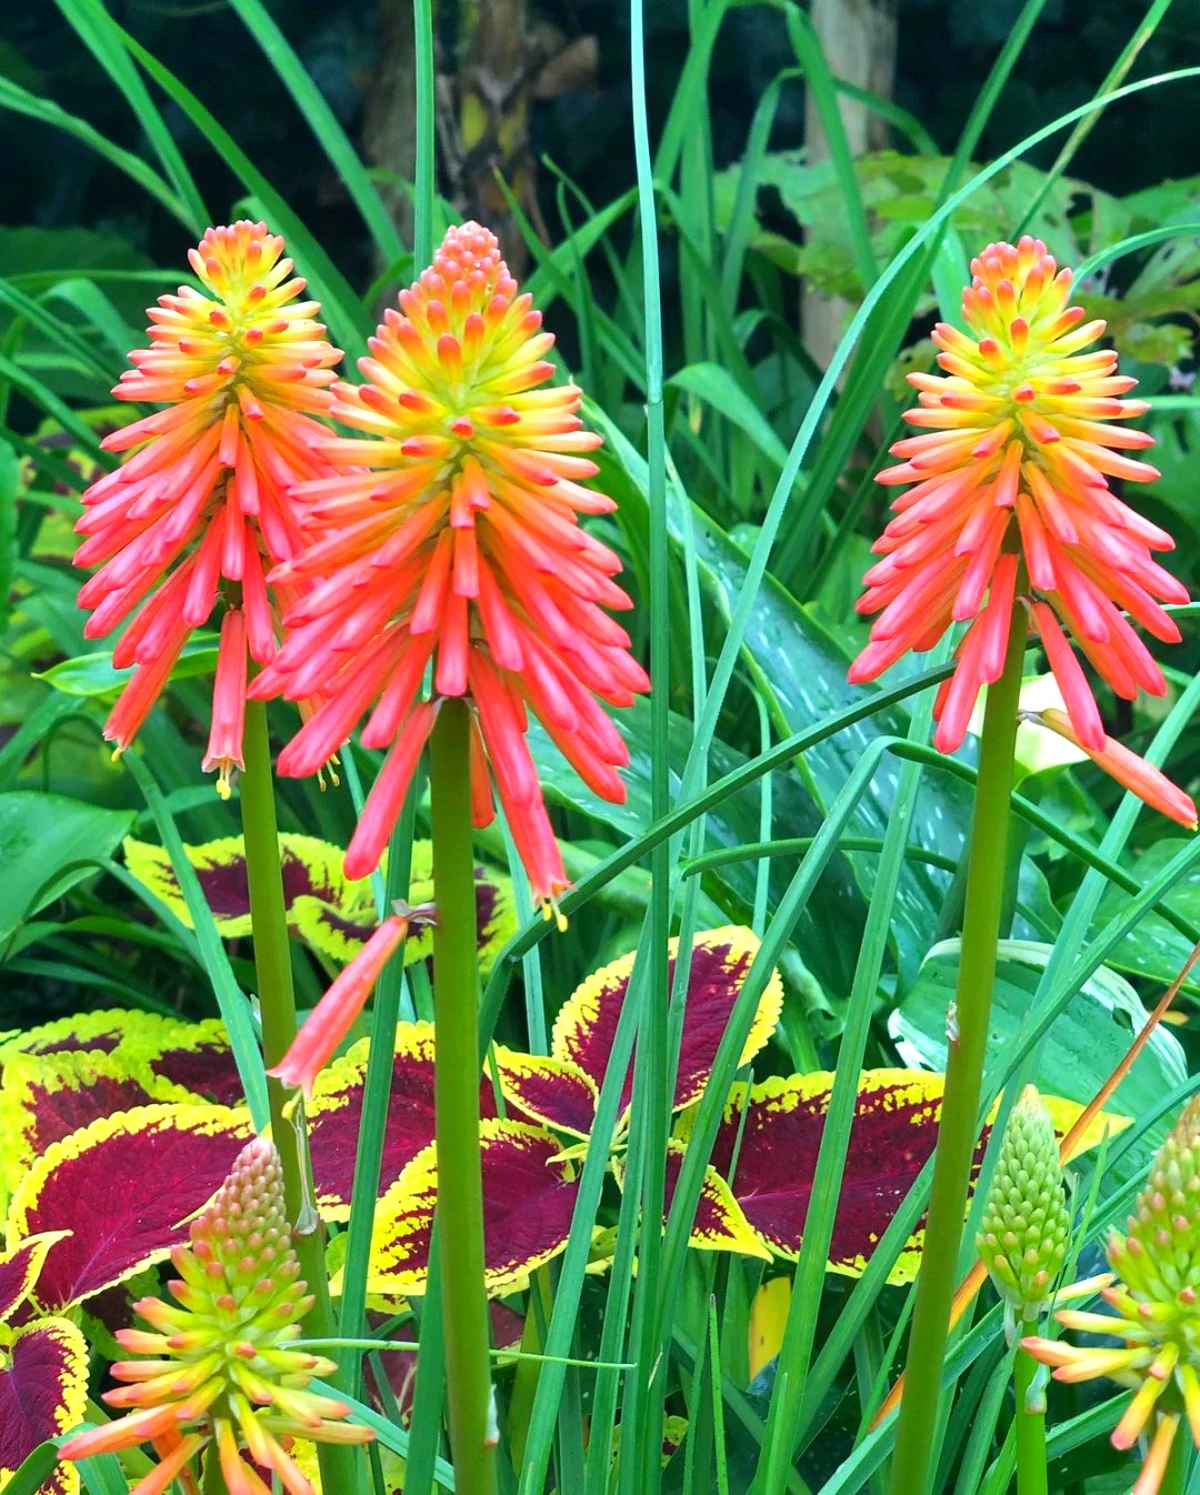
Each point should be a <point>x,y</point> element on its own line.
<point>277,1006</point>
<point>957,1132</point>
<point>456,1103</point>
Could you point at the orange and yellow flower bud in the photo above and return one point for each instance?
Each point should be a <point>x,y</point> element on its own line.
<point>221,1374</point>
<point>451,543</point>
<point>1011,504</point>
<point>201,510</point>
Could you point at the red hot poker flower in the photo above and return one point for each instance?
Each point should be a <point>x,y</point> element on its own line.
<point>454,542</point>
<point>1011,498</point>
<point>241,368</point>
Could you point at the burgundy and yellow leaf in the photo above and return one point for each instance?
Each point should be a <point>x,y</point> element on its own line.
<point>721,958</point>
<point>89,1032</point>
<point>124,1186</point>
<point>529,1193</point>
<point>719,1223</point>
<point>20,1268</point>
<point>335,1115</point>
<point>46,1097</point>
<point>891,1138</point>
<point>43,1393</point>
<point>198,1058</point>
<point>553,1091</point>
<point>333,914</point>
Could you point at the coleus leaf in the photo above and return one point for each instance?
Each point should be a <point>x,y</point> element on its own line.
<point>46,1097</point>
<point>529,1192</point>
<point>124,1187</point>
<point>331,913</point>
<point>20,1269</point>
<point>891,1138</point>
<point>335,1115</point>
<point>43,1393</point>
<point>720,1223</point>
<point>335,1110</point>
<point>585,1027</point>
<point>195,1056</point>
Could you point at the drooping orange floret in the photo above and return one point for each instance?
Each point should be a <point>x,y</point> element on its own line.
<point>201,510</point>
<point>452,543</point>
<point>1011,502</point>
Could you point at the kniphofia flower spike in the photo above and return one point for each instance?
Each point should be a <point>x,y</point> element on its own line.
<point>1157,1299</point>
<point>202,509</point>
<point>222,1375</point>
<point>453,542</point>
<point>1011,502</point>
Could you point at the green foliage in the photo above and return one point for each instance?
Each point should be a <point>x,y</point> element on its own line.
<point>762,789</point>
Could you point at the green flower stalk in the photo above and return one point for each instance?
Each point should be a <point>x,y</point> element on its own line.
<point>1026,1224</point>
<point>1157,1308</point>
<point>223,1374</point>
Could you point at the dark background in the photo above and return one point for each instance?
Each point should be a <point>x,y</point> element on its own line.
<point>946,48</point>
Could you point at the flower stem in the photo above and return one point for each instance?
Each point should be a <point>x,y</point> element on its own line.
<point>915,1433</point>
<point>456,1101</point>
<point>1030,1430</point>
<point>277,1006</point>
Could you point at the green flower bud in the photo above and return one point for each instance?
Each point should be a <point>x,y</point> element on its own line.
<point>1158,1258</point>
<point>1026,1225</point>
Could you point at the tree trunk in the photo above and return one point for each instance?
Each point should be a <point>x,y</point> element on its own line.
<point>858,38</point>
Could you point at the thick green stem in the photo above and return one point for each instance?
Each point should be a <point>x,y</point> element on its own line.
<point>968,1023</point>
<point>456,1101</point>
<point>1030,1430</point>
<point>277,1005</point>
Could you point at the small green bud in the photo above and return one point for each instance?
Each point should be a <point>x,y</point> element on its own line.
<point>1026,1225</point>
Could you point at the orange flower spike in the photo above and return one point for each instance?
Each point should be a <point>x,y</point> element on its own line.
<point>453,541</point>
<point>1011,496</point>
<point>241,368</point>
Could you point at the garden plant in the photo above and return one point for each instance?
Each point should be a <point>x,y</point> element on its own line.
<point>594,901</point>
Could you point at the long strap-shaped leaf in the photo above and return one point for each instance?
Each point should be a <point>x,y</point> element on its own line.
<point>324,123</point>
<point>231,1000</point>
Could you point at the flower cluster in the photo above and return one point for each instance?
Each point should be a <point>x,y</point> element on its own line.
<point>222,1374</point>
<point>1157,1260</point>
<point>1011,504</point>
<point>450,544</point>
<point>202,509</point>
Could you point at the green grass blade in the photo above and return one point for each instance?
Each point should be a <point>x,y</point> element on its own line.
<point>231,1000</point>
<point>424,195</point>
<point>94,27</point>
<point>323,123</point>
<point>20,101</point>
<point>339,305</point>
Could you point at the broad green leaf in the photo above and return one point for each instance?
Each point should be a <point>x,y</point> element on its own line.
<point>1084,1046</point>
<point>1154,949</point>
<point>47,843</point>
<point>93,674</point>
